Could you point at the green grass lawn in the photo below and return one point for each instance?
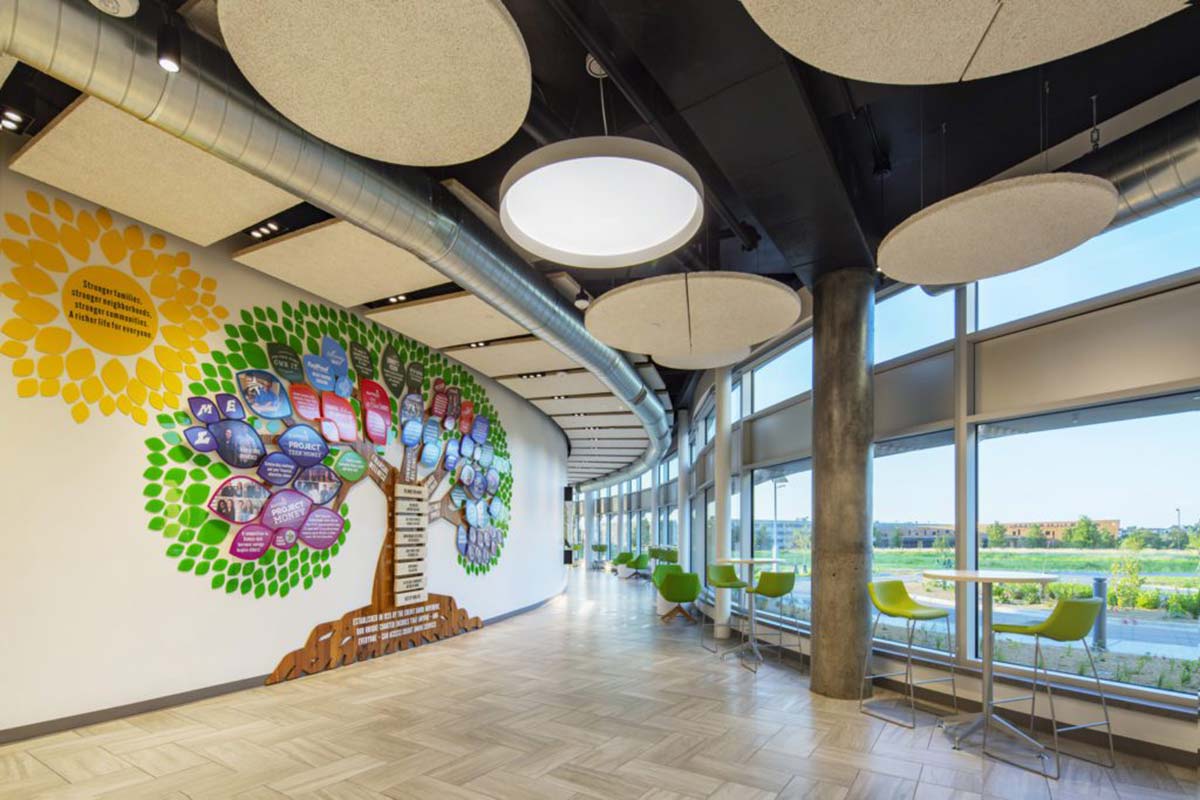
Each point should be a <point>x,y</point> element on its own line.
<point>1099,562</point>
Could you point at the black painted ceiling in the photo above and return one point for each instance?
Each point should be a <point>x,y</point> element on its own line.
<point>815,167</point>
<point>804,171</point>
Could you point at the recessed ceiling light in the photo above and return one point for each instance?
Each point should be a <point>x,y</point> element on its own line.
<point>169,48</point>
<point>13,115</point>
<point>256,234</point>
<point>8,124</point>
<point>272,226</point>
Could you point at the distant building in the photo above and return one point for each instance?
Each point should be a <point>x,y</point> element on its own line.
<point>922,535</point>
<point>1015,532</point>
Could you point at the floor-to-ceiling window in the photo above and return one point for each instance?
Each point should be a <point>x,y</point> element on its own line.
<point>1110,492</point>
<point>786,375</point>
<point>1154,247</point>
<point>913,529</point>
<point>782,514</point>
<point>669,525</point>
<point>912,320</point>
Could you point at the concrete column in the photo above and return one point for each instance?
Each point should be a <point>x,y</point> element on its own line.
<point>843,429</point>
<point>722,455</point>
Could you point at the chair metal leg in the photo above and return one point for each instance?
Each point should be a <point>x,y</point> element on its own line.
<point>1107,723</point>
<point>953,667</point>
<point>1055,729</point>
<point>908,667</point>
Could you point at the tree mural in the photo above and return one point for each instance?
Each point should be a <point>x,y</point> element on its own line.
<point>260,440</point>
<point>181,481</point>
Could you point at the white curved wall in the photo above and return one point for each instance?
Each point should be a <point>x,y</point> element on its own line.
<point>94,616</point>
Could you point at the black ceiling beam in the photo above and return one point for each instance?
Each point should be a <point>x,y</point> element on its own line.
<point>796,70</point>
<point>646,97</point>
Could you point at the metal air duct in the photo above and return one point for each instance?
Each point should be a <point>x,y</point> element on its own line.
<point>210,105</point>
<point>1154,168</point>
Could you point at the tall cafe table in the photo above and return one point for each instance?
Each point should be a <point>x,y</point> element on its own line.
<point>963,725</point>
<point>751,642</point>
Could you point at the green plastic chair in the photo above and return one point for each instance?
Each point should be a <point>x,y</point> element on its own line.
<point>770,585</point>
<point>679,587</point>
<point>669,555</point>
<point>1071,621</point>
<point>621,558</point>
<point>639,564</point>
<point>662,570</point>
<point>720,576</point>
<point>891,599</point>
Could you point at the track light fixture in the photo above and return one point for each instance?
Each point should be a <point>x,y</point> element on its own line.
<point>170,55</point>
<point>582,301</point>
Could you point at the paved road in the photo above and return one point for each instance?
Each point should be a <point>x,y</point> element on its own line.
<point>1179,638</point>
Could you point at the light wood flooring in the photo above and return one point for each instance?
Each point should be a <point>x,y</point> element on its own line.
<point>587,697</point>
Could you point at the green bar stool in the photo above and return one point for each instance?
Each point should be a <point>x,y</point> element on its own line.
<point>679,587</point>
<point>776,585</point>
<point>891,599</point>
<point>720,576</point>
<point>1070,621</point>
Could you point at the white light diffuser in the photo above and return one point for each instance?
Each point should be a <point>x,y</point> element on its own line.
<point>601,202</point>
<point>997,228</point>
<point>933,41</point>
<point>405,81</point>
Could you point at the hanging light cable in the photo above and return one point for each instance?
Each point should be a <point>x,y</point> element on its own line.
<point>601,201</point>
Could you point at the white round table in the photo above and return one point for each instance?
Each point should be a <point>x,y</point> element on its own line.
<point>963,725</point>
<point>751,642</point>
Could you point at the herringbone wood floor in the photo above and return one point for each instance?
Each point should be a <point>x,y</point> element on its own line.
<point>587,697</point>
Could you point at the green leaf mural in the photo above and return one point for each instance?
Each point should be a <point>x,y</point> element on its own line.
<point>180,481</point>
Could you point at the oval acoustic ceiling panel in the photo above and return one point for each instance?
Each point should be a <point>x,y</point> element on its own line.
<point>997,228</point>
<point>695,317</point>
<point>698,361</point>
<point>404,81</point>
<point>934,41</point>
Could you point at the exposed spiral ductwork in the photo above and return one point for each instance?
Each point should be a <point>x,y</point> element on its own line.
<point>1154,168</point>
<point>210,105</point>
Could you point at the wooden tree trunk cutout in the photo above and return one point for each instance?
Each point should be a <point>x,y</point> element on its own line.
<point>360,634</point>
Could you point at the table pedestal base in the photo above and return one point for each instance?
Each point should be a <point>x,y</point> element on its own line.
<point>960,727</point>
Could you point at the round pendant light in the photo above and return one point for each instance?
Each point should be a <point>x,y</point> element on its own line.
<point>933,41</point>
<point>997,228</point>
<point>403,81</point>
<point>694,317</point>
<point>601,202</point>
